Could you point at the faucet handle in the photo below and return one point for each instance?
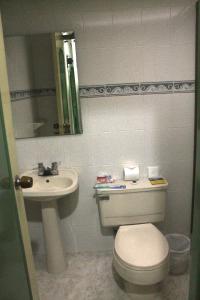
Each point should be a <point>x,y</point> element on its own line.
<point>54,168</point>
<point>41,168</point>
<point>54,165</point>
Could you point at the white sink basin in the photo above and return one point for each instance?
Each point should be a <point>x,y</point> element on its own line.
<point>46,188</point>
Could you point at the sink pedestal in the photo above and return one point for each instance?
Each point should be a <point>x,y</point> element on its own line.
<point>47,189</point>
<point>53,241</point>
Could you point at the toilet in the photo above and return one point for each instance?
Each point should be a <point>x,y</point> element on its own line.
<point>141,251</point>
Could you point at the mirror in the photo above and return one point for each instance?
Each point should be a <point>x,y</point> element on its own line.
<point>43,79</point>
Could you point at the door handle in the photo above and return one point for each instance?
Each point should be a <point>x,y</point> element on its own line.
<point>24,182</point>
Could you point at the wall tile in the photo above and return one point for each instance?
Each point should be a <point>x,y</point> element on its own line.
<point>90,5</point>
<point>27,154</point>
<point>128,66</point>
<point>182,24</point>
<point>131,146</point>
<point>128,113</point>
<point>183,65</point>
<point>38,17</point>
<point>178,222</point>
<point>180,143</point>
<point>97,29</point>
<point>103,147</point>
<point>94,66</point>
<point>179,174</point>
<point>155,3</point>
<point>79,151</point>
<point>10,16</point>
<point>182,110</point>
<point>98,115</point>
<point>157,111</point>
<point>86,213</point>
<point>53,150</point>
<point>127,29</point>
<point>156,32</point>
<point>118,5</point>
<point>157,64</point>
<point>89,240</point>
<point>163,69</point>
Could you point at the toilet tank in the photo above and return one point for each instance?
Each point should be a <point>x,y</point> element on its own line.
<point>140,202</point>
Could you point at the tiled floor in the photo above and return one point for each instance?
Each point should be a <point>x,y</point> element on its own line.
<point>90,276</point>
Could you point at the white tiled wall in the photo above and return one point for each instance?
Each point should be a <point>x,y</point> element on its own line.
<point>117,41</point>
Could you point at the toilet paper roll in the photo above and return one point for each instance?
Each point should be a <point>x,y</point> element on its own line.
<point>131,173</point>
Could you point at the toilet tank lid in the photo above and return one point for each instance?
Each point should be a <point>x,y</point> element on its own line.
<point>141,246</point>
<point>139,186</point>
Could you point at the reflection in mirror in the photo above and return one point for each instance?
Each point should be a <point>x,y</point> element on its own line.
<point>43,79</point>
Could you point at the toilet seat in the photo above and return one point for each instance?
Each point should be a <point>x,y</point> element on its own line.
<point>141,246</point>
<point>141,254</point>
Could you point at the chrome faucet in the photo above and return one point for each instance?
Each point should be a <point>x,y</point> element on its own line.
<point>47,171</point>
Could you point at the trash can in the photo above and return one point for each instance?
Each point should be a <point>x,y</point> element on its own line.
<point>179,245</point>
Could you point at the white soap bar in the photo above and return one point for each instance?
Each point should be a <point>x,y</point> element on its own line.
<point>153,172</point>
<point>131,173</point>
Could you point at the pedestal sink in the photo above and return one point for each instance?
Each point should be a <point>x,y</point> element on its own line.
<point>47,189</point>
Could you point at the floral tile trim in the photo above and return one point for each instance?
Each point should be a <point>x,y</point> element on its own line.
<point>92,91</point>
<point>24,94</point>
<point>184,86</point>
<point>123,89</point>
<point>156,87</point>
<point>126,89</point>
<point>142,88</point>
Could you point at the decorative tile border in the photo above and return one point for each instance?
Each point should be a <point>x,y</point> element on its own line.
<point>184,86</point>
<point>126,89</point>
<point>92,91</point>
<point>142,88</point>
<point>122,89</point>
<point>156,87</point>
<point>24,94</point>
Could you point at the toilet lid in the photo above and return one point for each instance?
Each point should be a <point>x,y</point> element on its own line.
<point>142,245</point>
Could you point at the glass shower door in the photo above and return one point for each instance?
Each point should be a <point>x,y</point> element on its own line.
<point>14,283</point>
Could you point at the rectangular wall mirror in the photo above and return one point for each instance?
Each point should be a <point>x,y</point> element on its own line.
<point>43,79</point>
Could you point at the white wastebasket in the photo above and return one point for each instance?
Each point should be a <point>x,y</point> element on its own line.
<point>179,245</point>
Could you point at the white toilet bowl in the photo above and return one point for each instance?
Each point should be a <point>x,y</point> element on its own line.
<point>141,254</point>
